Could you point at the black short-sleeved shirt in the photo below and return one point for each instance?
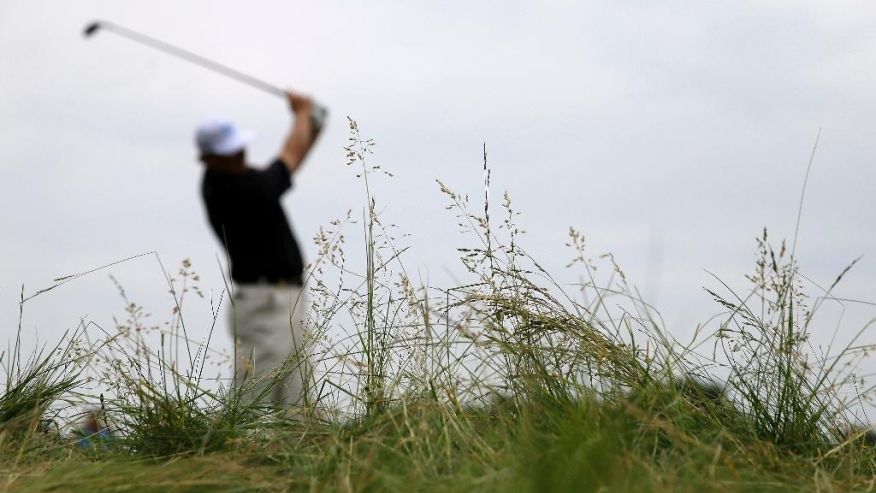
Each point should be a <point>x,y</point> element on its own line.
<point>246,215</point>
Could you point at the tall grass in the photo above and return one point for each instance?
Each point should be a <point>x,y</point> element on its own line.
<point>509,381</point>
<point>34,384</point>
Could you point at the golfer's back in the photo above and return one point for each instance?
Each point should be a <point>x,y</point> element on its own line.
<point>245,213</point>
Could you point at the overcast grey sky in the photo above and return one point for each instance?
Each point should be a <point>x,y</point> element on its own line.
<point>670,133</point>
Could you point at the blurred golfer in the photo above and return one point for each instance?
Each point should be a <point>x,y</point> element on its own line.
<point>269,298</point>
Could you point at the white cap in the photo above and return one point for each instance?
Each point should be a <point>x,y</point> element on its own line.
<point>222,137</point>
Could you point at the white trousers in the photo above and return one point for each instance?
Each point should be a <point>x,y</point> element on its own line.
<point>267,324</point>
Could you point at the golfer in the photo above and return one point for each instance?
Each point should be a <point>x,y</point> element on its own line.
<point>269,299</point>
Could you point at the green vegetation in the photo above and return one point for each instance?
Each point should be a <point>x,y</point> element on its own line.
<point>508,382</point>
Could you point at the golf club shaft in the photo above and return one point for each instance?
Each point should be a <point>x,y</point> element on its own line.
<point>192,57</point>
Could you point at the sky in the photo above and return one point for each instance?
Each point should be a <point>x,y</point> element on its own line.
<point>670,133</point>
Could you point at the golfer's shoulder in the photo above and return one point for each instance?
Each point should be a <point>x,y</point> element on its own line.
<point>277,172</point>
<point>273,179</point>
<point>278,167</point>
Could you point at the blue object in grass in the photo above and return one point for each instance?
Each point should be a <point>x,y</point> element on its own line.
<point>100,438</point>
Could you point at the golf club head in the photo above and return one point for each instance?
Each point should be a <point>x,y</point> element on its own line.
<point>90,29</point>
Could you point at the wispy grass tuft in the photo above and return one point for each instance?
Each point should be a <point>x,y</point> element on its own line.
<point>37,384</point>
<point>789,392</point>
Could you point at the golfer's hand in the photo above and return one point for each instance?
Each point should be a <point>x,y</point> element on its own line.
<point>299,103</point>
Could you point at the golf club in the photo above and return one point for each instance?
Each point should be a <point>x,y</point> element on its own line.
<point>319,112</point>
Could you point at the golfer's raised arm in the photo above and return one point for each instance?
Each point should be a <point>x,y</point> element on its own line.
<point>301,137</point>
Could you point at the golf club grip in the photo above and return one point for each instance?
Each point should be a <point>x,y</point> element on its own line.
<point>192,57</point>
